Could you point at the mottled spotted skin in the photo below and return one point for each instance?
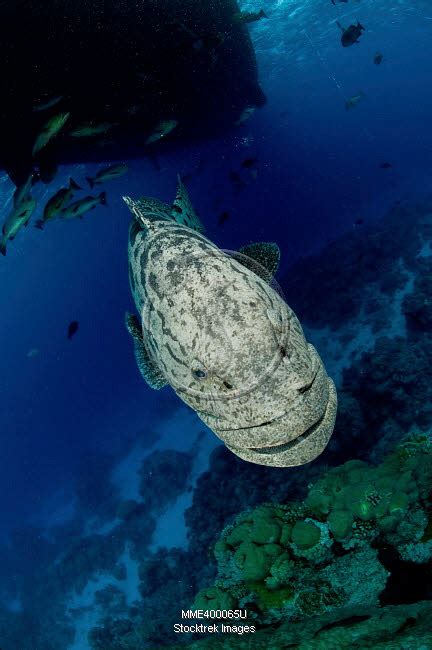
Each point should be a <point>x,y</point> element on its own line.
<point>265,391</point>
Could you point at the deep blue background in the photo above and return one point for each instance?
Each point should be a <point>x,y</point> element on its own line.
<point>318,171</point>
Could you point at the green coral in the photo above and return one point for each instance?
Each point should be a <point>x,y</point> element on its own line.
<point>305,534</point>
<point>360,501</point>
<point>271,599</point>
<point>340,523</point>
<point>214,598</point>
<point>261,526</point>
<point>304,559</point>
<point>254,561</point>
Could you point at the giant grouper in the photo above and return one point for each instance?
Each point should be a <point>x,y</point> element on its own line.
<point>213,326</point>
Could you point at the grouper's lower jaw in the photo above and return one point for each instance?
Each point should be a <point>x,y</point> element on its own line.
<point>301,450</point>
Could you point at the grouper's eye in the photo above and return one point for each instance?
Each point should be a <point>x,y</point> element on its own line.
<point>199,373</point>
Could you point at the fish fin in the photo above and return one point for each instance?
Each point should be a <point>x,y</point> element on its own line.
<point>39,224</point>
<point>147,209</point>
<point>266,254</point>
<point>90,181</point>
<point>74,185</point>
<point>183,211</point>
<point>147,367</point>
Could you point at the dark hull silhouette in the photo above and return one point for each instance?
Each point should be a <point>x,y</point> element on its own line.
<point>128,63</point>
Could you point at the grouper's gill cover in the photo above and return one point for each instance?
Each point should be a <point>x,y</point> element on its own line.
<point>213,326</point>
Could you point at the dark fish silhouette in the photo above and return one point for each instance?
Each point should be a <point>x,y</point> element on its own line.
<point>248,163</point>
<point>72,329</point>
<point>235,178</point>
<point>358,222</point>
<point>223,217</point>
<point>351,34</point>
<point>378,58</point>
<point>352,102</point>
<point>386,165</point>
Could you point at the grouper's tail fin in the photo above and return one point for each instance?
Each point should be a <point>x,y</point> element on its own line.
<point>182,212</point>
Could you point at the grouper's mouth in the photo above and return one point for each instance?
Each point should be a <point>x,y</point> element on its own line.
<point>255,426</point>
<point>298,451</point>
<point>285,446</point>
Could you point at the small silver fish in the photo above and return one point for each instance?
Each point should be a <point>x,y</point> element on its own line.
<point>107,174</point>
<point>57,202</point>
<point>162,130</point>
<point>245,115</point>
<point>19,217</point>
<point>79,208</point>
<point>89,129</point>
<point>22,192</point>
<point>49,102</point>
<point>49,130</point>
<point>351,102</point>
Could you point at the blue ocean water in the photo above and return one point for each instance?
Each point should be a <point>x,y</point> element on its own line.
<point>76,413</point>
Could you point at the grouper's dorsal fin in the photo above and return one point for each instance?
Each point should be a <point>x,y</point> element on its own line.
<point>147,367</point>
<point>182,209</point>
<point>146,209</point>
<point>262,258</point>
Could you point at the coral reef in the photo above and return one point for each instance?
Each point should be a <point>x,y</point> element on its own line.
<point>296,560</point>
<point>417,306</point>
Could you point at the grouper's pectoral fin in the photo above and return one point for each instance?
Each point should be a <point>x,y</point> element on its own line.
<point>147,367</point>
<point>262,258</point>
<point>182,209</point>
